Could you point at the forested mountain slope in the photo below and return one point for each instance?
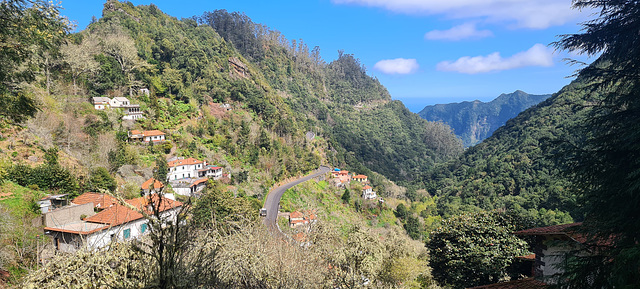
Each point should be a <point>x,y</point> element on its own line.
<point>474,121</point>
<point>513,168</point>
<point>352,109</point>
<point>290,88</point>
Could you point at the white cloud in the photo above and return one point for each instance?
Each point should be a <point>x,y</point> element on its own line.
<point>463,31</point>
<point>397,66</point>
<point>538,55</point>
<point>537,14</point>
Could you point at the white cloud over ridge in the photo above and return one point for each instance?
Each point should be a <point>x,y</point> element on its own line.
<point>538,55</point>
<point>539,14</point>
<point>397,66</point>
<point>456,33</point>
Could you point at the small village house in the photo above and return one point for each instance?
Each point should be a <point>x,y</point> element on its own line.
<point>50,203</point>
<point>119,102</point>
<point>153,136</point>
<point>190,176</point>
<point>151,186</point>
<point>147,136</point>
<point>297,219</point>
<point>135,135</point>
<point>341,178</point>
<point>76,226</point>
<point>368,193</point>
<point>184,168</point>
<point>361,178</point>
<point>100,103</point>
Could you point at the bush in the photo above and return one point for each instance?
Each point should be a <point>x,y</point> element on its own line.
<point>474,249</point>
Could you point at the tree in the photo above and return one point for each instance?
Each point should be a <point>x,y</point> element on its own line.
<point>101,180</point>
<point>161,170</point>
<point>401,211</point>
<point>474,249</point>
<point>346,196</point>
<point>119,45</point>
<point>80,58</point>
<point>27,28</point>
<point>413,227</point>
<point>604,160</point>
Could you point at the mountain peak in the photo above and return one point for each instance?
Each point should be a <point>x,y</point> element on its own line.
<point>477,120</point>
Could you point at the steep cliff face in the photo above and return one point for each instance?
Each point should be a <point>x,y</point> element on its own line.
<point>474,121</point>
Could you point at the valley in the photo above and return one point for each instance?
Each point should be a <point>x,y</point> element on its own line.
<point>147,151</point>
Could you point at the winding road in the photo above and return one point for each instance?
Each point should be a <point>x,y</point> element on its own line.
<point>273,198</point>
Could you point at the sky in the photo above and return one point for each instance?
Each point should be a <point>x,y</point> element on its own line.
<point>424,52</point>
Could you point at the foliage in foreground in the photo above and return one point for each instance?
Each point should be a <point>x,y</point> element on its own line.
<point>474,249</point>
<point>603,159</point>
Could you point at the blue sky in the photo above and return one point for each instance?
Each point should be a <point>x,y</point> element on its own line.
<point>424,51</point>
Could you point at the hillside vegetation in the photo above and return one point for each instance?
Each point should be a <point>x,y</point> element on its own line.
<point>514,168</point>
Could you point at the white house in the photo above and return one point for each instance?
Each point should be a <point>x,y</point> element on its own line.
<point>116,223</point>
<point>100,102</point>
<point>117,102</point>
<point>185,168</point>
<point>368,193</point>
<point>210,172</point>
<point>189,187</point>
<point>132,112</point>
<point>153,136</point>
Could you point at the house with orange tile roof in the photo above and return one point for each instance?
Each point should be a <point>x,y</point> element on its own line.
<point>297,219</point>
<point>184,168</point>
<point>99,201</point>
<point>360,178</point>
<point>340,177</point>
<point>118,222</point>
<point>151,186</point>
<point>153,136</point>
<point>368,193</point>
<point>189,176</point>
<point>135,135</point>
<point>147,136</point>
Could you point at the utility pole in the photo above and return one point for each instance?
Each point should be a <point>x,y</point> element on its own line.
<point>37,252</point>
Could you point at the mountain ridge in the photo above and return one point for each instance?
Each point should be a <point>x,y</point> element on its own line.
<point>474,121</point>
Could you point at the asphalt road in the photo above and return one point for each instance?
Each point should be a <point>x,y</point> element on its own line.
<point>273,198</point>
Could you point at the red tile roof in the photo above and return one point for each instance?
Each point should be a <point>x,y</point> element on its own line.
<point>156,184</point>
<point>550,230</point>
<point>114,216</point>
<point>153,133</point>
<point>200,181</point>
<point>360,177</point>
<point>119,214</point>
<point>184,162</point>
<point>569,230</point>
<point>367,187</point>
<point>295,215</point>
<point>101,201</point>
<point>527,257</point>
<point>141,203</point>
<point>528,283</point>
<point>135,132</point>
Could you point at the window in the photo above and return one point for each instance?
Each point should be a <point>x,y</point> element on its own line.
<point>143,228</point>
<point>126,233</point>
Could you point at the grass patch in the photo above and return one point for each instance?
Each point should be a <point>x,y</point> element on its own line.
<point>19,200</point>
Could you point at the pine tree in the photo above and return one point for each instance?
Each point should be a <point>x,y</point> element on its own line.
<point>604,163</point>
<point>346,196</point>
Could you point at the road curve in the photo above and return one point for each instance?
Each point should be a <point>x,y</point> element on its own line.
<point>273,198</point>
